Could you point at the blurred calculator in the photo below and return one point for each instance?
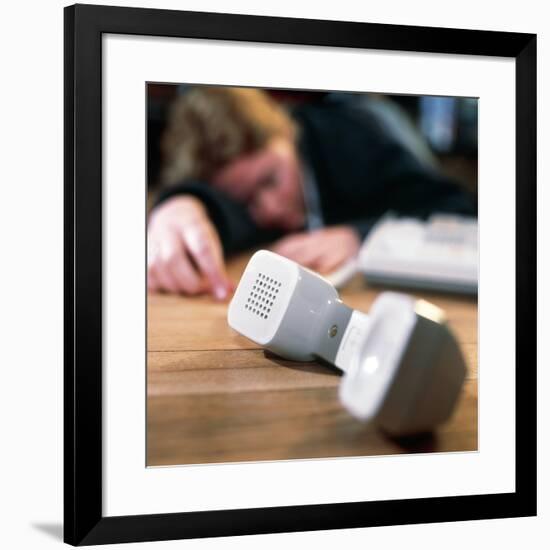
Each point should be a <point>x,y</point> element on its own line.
<point>438,254</point>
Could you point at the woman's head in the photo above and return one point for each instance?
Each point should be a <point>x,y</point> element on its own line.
<point>269,182</point>
<point>208,126</point>
<point>241,141</point>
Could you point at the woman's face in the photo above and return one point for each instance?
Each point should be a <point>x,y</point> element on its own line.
<point>269,183</point>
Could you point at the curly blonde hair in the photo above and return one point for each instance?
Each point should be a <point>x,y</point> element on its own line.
<point>209,126</point>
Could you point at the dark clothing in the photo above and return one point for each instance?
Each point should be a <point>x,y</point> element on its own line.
<point>361,173</point>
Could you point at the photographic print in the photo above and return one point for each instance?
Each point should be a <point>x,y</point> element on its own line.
<point>376,194</point>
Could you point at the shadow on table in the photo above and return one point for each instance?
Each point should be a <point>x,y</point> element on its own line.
<point>312,366</point>
<point>419,443</point>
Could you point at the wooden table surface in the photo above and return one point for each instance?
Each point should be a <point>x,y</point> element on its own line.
<point>214,396</point>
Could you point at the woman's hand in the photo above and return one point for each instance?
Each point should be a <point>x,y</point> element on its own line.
<point>184,253</point>
<point>322,250</point>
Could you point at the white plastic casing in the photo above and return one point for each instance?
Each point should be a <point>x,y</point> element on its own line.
<point>374,361</point>
<point>281,306</point>
<point>408,371</point>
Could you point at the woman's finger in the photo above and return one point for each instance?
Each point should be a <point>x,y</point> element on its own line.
<point>330,260</point>
<point>289,245</point>
<point>164,279</point>
<point>205,252</point>
<point>175,260</point>
<point>185,274</point>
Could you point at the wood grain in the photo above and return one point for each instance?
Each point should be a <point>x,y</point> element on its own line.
<point>214,396</point>
<point>284,424</point>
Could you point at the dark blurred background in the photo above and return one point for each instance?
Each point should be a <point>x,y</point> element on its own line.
<point>443,128</point>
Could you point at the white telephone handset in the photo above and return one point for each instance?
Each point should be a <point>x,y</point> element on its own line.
<point>401,363</point>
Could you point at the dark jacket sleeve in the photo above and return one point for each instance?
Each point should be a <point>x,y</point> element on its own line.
<point>420,195</point>
<point>364,173</point>
<point>236,229</point>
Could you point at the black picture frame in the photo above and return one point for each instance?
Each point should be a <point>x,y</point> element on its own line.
<point>84,523</point>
